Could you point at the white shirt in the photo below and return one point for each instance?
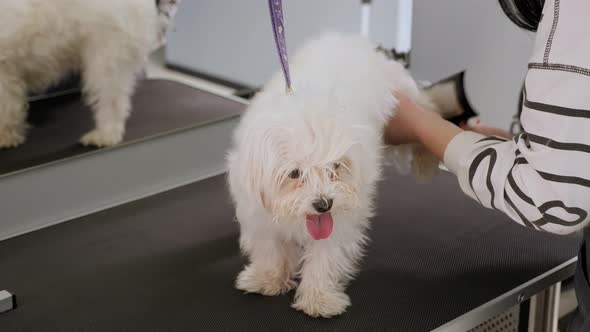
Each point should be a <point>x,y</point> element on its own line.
<point>541,179</point>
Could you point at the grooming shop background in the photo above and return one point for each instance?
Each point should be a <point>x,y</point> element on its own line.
<point>231,40</point>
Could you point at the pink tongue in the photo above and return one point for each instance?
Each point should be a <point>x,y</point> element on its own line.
<point>320,226</point>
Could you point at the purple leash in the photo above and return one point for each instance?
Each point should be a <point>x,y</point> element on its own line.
<point>278,27</point>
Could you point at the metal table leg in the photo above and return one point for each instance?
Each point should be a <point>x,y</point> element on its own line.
<point>545,310</point>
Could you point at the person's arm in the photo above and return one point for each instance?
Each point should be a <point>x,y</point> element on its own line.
<point>413,123</point>
<point>541,178</point>
<point>508,175</point>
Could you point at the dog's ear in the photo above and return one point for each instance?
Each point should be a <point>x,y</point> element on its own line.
<point>248,173</point>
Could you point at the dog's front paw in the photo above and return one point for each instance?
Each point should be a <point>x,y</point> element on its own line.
<point>267,282</point>
<point>102,138</point>
<point>320,303</point>
<point>11,138</point>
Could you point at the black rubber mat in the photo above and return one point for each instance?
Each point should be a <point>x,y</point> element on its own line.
<point>159,106</point>
<point>168,262</point>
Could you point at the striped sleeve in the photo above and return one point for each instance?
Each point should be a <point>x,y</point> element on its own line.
<point>541,178</point>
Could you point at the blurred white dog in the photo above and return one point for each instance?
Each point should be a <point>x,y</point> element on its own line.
<point>304,166</point>
<point>106,41</point>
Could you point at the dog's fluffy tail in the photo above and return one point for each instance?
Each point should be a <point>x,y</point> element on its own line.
<point>414,158</point>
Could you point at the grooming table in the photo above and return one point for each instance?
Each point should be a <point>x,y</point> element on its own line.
<point>168,263</point>
<point>158,107</point>
<point>176,134</point>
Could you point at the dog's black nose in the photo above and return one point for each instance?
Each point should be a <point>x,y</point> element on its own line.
<point>323,205</point>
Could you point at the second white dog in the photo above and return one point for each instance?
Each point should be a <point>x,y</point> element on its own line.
<point>303,170</point>
<point>106,41</point>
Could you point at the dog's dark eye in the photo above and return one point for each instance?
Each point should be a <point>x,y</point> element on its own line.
<point>336,166</point>
<point>295,174</point>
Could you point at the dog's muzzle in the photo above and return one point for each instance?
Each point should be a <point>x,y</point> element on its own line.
<point>323,204</point>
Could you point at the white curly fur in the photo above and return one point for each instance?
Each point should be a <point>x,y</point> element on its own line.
<point>107,41</point>
<point>335,116</point>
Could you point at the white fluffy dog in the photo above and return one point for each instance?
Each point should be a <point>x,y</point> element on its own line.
<point>106,41</point>
<point>303,170</point>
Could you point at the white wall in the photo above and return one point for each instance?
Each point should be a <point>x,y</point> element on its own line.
<point>453,35</point>
<point>233,39</point>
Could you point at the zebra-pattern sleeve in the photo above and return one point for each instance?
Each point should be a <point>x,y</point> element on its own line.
<point>541,178</point>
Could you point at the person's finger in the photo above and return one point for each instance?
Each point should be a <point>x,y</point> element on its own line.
<point>475,125</point>
<point>474,122</point>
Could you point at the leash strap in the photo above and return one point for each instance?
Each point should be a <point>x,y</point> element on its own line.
<point>278,27</point>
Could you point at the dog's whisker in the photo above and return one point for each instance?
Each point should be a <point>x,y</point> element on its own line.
<point>346,167</point>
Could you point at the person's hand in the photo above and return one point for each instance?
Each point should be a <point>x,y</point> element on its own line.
<point>412,123</point>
